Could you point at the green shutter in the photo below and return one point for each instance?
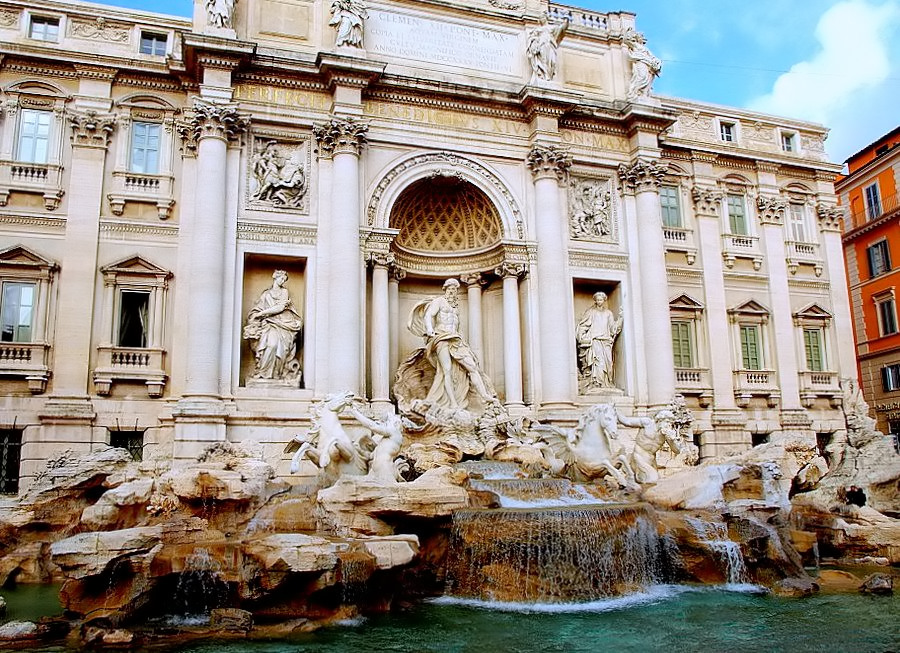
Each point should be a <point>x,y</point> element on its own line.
<point>682,348</point>
<point>737,222</point>
<point>750,348</point>
<point>812,343</point>
<point>669,206</point>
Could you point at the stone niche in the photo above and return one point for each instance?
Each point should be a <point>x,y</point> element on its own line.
<point>258,271</point>
<point>584,290</point>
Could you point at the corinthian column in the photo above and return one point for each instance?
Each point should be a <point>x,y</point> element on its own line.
<point>213,126</point>
<point>342,140</point>
<point>512,336</point>
<point>476,331</point>
<point>830,225</point>
<point>642,179</point>
<point>549,166</point>
<point>380,331</point>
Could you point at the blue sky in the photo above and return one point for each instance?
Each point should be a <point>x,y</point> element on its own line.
<point>836,62</point>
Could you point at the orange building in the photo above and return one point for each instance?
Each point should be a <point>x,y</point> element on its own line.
<point>872,249</point>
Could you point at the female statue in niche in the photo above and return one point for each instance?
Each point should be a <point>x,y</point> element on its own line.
<point>272,328</point>
<point>595,335</point>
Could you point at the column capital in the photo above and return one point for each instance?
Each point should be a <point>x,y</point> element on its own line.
<point>396,273</point>
<point>706,201</point>
<point>771,209</point>
<point>642,175</point>
<point>547,161</point>
<point>830,217</point>
<point>211,120</point>
<point>380,259</point>
<point>90,129</point>
<point>340,136</point>
<point>507,269</point>
<point>473,279</point>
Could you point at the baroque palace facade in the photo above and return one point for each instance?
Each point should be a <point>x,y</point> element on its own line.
<point>157,172</point>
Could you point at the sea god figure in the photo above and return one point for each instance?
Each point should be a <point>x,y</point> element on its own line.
<point>595,335</point>
<point>543,43</point>
<point>220,12</point>
<point>272,328</point>
<point>347,18</point>
<point>456,369</point>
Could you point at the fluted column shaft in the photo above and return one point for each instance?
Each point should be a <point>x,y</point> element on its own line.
<point>512,336</point>
<point>643,178</point>
<point>549,166</point>
<point>380,329</point>
<point>476,330</point>
<point>396,276</point>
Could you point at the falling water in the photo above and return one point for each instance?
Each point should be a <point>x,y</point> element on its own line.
<point>200,586</point>
<point>554,554</point>
<point>491,469</point>
<point>536,493</point>
<point>715,536</point>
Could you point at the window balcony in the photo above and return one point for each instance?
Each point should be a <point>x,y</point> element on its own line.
<point>803,253</point>
<point>36,178</point>
<point>130,364</point>
<point>735,246</point>
<point>819,384</point>
<point>28,360</point>
<point>144,189</point>
<point>756,383</point>
<point>694,381</point>
<point>679,239</point>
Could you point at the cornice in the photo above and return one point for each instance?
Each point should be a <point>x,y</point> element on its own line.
<point>591,260</point>
<point>436,102</point>
<point>273,233</point>
<point>274,79</point>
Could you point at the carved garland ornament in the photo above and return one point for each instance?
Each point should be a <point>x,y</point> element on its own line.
<point>340,136</point>
<point>90,129</point>
<point>454,161</point>
<point>100,30</point>
<point>8,17</point>
<point>642,175</point>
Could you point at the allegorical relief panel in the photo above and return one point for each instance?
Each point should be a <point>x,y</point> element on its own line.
<point>591,210</point>
<point>278,174</point>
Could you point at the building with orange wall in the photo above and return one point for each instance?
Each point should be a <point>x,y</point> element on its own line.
<point>872,249</point>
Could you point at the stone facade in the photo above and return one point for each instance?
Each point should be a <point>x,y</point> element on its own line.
<point>155,173</point>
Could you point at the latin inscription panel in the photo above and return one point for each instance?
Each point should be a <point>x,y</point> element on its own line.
<point>440,42</point>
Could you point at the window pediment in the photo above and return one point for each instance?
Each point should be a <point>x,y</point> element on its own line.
<point>21,257</point>
<point>749,311</point>
<point>135,267</point>
<point>684,303</point>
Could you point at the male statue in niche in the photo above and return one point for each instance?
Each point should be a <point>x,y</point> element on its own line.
<point>595,336</point>
<point>457,373</point>
<point>272,328</point>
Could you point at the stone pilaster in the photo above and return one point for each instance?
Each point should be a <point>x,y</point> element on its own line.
<point>342,140</point>
<point>830,218</point>
<point>549,165</point>
<point>510,273</point>
<point>642,179</point>
<point>199,416</point>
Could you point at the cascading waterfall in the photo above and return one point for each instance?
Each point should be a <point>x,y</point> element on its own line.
<point>200,587</point>
<point>715,536</point>
<point>554,554</point>
<point>536,493</point>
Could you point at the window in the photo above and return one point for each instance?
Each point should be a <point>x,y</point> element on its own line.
<point>682,344</point>
<point>10,448</point>
<point>887,315</point>
<point>145,147</point>
<point>879,258</point>
<point>44,28</point>
<point>799,224</point>
<point>750,349</point>
<point>670,206</point>
<point>788,142</point>
<point>873,201</point>
<point>17,311</point>
<point>737,215</point>
<point>890,377</point>
<point>134,309</point>
<point>34,136</point>
<point>812,345</point>
<point>727,132</point>
<point>132,441</point>
<point>154,44</point>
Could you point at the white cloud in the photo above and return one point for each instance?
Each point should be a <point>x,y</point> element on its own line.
<point>855,64</point>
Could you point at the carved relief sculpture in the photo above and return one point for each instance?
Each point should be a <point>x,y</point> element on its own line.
<point>591,214</point>
<point>644,66</point>
<point>452,377</point>
<point>348,18</point>
<point>272,328</point>
<point>220,13</point>
<point>542,48</point>
<point>280,180</point>
<point>595,336</point>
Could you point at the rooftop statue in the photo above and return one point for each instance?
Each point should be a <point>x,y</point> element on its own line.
<point>644,66</point>
<point>220,13</point>
<point>595,335</point>
<point>348,18</point>
<point>272,328</point>
<point>543,46</point>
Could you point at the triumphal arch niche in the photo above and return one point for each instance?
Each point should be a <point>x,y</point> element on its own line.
<point>450,229</point>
